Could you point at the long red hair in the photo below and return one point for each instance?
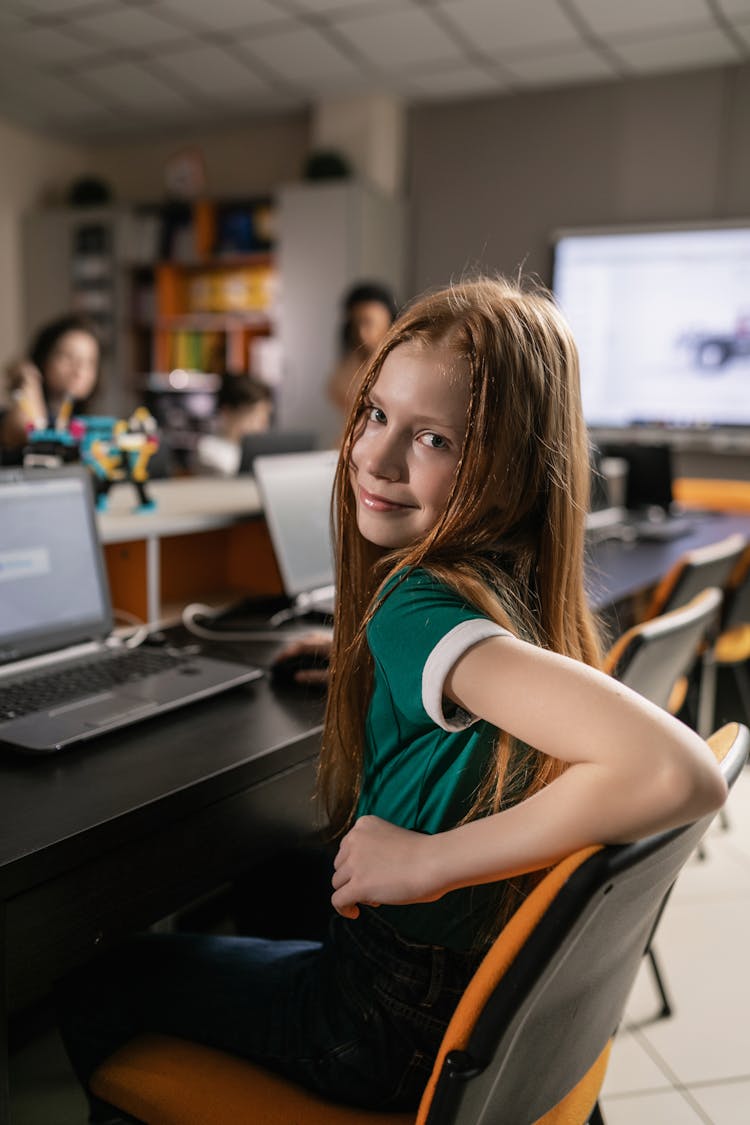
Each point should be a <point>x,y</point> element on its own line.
<point>511,538</point>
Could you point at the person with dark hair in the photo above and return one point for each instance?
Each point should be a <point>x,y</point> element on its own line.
<point>244,405</point>
<point>60,374</point>
<point>369,310</point>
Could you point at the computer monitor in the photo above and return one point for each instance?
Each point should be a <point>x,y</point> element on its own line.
<point>661,317</point>
<point>295,490</point>
<point>271,442</point>
<point>649,478</point>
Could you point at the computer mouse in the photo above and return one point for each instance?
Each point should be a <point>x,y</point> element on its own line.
<point>284,670</point>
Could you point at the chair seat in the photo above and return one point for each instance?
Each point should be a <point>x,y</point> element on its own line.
<point>733,647</point>
<point>169,1081</point>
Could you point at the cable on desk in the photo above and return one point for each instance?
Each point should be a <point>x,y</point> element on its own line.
<point>139,634</point>
<point>195,609</point>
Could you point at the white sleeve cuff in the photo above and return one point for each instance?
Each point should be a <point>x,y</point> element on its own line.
<point>440,662</point>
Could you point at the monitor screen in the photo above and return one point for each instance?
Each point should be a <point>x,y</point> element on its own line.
<point>662,323</point>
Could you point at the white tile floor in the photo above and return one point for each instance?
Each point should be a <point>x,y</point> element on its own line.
<point>694,1067</point>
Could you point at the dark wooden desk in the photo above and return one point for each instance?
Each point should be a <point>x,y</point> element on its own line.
<point>110,837</point>
<point>617,571</point>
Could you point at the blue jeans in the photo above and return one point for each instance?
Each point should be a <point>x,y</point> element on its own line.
<point>357,1018</point>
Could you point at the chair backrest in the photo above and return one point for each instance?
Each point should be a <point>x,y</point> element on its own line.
<point>550,993</point>
<point>652,656</point>
<point>705,566</point>
<point>737,594</point>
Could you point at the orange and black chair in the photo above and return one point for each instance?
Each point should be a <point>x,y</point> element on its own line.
<point>530,1038</point>
<point>655,656</point>
<point>732,646</point>
<point>654,659</point>
<point>693,572</point>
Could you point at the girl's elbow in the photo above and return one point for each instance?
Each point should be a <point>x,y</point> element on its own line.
<point>714,791</point>
<point>698,790</point>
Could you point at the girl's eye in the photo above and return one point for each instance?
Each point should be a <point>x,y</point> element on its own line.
<point>434,441</point>
<point>375,414</point>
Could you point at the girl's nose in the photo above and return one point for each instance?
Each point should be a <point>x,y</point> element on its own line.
<point>384,458</point>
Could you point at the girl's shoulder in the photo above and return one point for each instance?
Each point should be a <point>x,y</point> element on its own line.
<point>410,597</point>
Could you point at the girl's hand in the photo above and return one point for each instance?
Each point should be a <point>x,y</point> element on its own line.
<point>316,644</point>
<point>378,862</point>
<point>27,394</point>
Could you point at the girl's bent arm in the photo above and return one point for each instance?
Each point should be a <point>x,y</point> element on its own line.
<point>633,770</point>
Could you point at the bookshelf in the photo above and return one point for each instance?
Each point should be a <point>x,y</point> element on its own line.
<point>217,285</point>
<point>215,289</point>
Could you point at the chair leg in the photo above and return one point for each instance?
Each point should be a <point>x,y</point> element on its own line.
<point>742,680</point>
<point>706,695</point>
<point>666,1009</point>
<point>596,1116</point>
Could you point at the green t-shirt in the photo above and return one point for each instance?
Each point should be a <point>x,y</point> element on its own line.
<point>425,758</point>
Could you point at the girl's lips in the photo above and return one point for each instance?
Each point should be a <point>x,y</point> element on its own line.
<point>379,503</point>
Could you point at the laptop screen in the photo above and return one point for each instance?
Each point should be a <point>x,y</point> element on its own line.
<point>295,490</point>
<point>271,442</point>
<point>53,590</point>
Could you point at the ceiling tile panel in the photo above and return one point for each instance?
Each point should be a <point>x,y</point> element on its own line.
<point>564,66</point>
<point>735,9</point>
<point>675,52</point>
<point>400,38</point>
<point>132,86</point>
<point>10,21</point>
<point>742,27</point>
<point>463,82</point>
<point>215,74</point>
<point>334,7</point>
<point>615,17</point>
<point>227,15</point>
<point>302,57</point>
<point>51,7</point>
<point>511,25</point>
<point>128,27</point>
<point>46,46</point>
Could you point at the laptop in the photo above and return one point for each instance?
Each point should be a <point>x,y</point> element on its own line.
<point>64,678</point>
<point>295,491</point>
<point>272,442</point>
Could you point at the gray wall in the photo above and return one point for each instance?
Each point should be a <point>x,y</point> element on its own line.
<point>491,180</point>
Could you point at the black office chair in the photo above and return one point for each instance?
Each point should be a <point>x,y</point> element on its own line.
<point>654,659</point>
<point>693,572</point>
<point>732,646</point>
<point>530,1038</point>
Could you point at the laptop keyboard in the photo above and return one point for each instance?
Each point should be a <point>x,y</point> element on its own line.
<point>41,691</point>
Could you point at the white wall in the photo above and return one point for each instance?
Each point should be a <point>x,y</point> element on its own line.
<point>35,170</point>
<point>491,180</point>
<point>241,161</point>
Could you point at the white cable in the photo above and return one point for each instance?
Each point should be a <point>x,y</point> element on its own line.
<point>142,630</point>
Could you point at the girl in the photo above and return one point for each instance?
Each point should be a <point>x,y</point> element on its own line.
<point>62,369</point>
<point>469,739</point>
<point>369,310</point>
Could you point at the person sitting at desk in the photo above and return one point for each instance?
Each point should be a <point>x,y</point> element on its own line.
<point>244,405</point>
<point>470,740</point>
<point>58,378</point>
